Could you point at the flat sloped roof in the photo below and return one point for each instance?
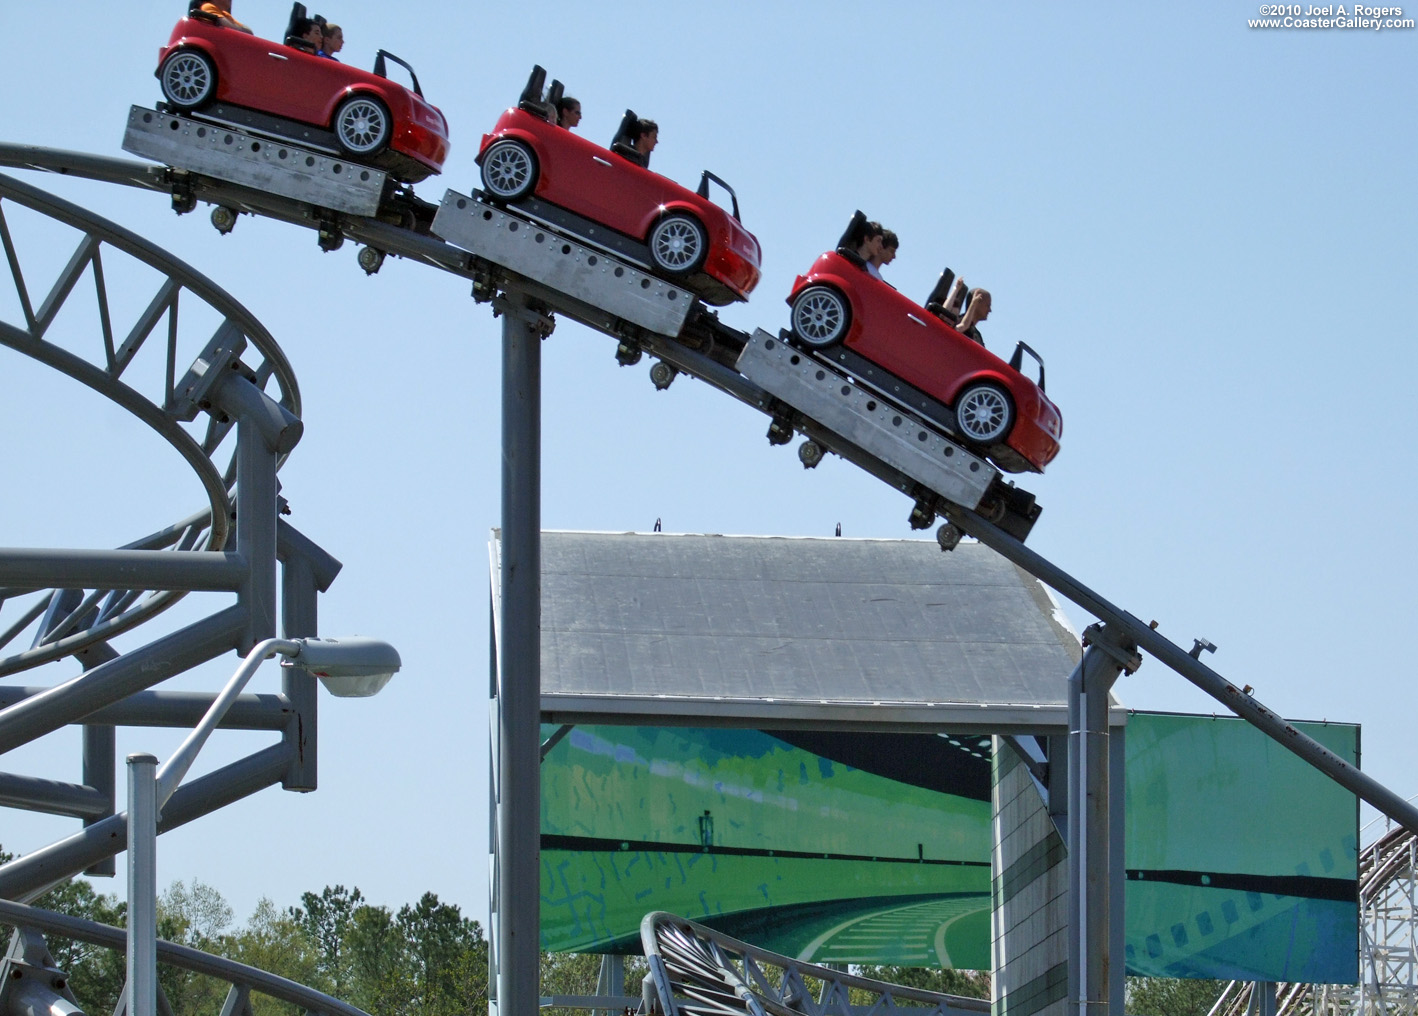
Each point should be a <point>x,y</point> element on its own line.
<point>796,632</point>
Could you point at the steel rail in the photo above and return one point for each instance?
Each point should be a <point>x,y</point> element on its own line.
<point>20,915</point>
<point>1188,666</point>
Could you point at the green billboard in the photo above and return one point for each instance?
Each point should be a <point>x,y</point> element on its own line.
<point>1242,860</point>
<point>862,848</point>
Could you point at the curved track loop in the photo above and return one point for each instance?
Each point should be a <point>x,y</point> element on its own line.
<point>243,978</point>
<point>701,972</point>
<point>64,622</point>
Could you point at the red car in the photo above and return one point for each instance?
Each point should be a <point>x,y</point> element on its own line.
<point>557,175</point>
<point>885,339</point>
<point>275,89</point>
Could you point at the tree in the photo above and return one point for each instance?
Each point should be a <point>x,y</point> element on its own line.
<point>1166,996</point>
<point>325,920</point>
<point>971,983</point>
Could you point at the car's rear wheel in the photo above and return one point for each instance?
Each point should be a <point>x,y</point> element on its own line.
<point>509,170</point>
<point>820,317</point>
<point>678,244</point>
<point>189,79</point>
<point>984,413</point>
<point>363,126</point>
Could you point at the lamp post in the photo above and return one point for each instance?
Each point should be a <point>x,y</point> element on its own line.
<point>347,667</point>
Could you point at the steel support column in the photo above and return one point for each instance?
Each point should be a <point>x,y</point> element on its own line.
<point>298,620</point>
<point>100,754</point>
<point>519,685</point>
<point>142,988</point>
<point>1090,840</point>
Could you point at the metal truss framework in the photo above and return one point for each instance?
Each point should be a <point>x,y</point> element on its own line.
<point>697,971</point>
<point>69,604</point>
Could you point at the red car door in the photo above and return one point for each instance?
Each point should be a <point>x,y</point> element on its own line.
<point>292,84</point>
<point>902,337</point>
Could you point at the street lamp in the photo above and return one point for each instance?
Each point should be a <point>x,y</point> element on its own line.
<point>347,667</point>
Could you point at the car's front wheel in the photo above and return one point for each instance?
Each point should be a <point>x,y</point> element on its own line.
<point>820,317</point>
<point>189,79</point>
<point>984,413</point>
<point>363,126</point>
<point>509,170</point>
<point>678,244</point>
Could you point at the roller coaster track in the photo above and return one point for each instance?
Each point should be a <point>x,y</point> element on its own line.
<point>697,971</point>
<point>67,621</point>
<point>706,350</point>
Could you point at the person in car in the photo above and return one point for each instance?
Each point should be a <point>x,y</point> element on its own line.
<point>975,311</point>
<point>884,254</point>
<point>647,136</point>
<point>223,16</point>
<point>334,41</point>
<point>568,112</point>
<point>306,35</point>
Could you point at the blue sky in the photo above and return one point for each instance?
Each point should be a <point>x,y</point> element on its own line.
<point>1207,231</point>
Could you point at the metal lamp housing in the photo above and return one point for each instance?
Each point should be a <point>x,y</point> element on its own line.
<point>355,667</point>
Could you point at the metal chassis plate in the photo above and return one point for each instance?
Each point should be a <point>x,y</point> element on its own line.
<point>276,167</point>
<point>585,273</point>
<point>868,421</point>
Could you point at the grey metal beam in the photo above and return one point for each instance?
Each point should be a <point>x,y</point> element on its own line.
<point>261,711</point>
<point>31,793</point>
<point>1090,840</point>
<point>100,751</point>
<point>189,570</point>
<point>187,958</point>
<point>111,682</point>
<point>292,543</point>
<point>519,698</point>
<point>65,858</point>
<point>1173,656</point>
<point>921,717</point>
<point>300,618</point>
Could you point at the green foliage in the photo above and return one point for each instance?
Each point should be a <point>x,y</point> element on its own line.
<point>971,983</point>
<point>578,974</point>
<point>95,974</point>
<point>1165,996</point>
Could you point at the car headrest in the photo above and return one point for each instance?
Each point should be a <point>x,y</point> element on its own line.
<point>297,15</point>
<point>625,134</point>
<point>936,301</point>
<point>536,81</point>
<point>853,235</point>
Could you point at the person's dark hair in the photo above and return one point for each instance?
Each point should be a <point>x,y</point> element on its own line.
<point>644,126</point>
<point>564,103</point>
<point>870,229</point>
<point>890,239</point>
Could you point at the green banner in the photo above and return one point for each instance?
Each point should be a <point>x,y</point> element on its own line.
<point>1242,860</point>
<point>831,859</point>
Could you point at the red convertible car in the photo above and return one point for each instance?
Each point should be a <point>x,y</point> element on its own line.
<point>915,356</point>
<point>604,197</point>
<point>283,91</point>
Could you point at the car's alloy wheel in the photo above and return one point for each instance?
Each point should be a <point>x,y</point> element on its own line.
<point>189,79</point>
<point>820,317</point>
<point>984,413</point>
<point>362,125</point>
<point>509,170</point>
<point>678,244</point>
